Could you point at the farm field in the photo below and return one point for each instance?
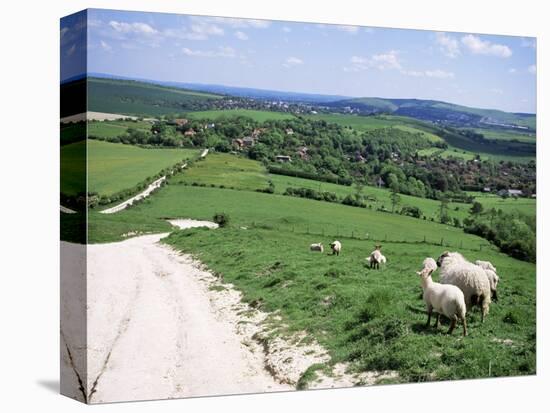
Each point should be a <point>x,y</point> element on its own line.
<point>73,168</point>
<point>112,129</point>
<point>507,135</point>
<point>113,167</point>
<point>365,123</point>
<point>237,172</point>
<point>139,98</point>
<point>257,115</point>
<point>527,206</point>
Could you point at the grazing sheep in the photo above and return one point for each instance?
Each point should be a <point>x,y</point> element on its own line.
<point>444,299</point>
<point>336,247</point>
<point>493,282</point>
<point>470,278</point>
<point>486,265</point>
<point>316,247</point>
<point>376,258</point>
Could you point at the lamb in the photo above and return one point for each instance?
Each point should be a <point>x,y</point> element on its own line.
<point>444,299</point>
<point>336,247</point>
<point>376,258</point>
<point>470,278</point>
<point>316,247</point>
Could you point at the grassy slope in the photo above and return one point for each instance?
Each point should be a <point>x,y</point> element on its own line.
<point>113,167</point>
<point>138,98</point>
<point>257,115</point>
<point>243,173</point>
<point>373,319</point>
<point>73,168</point>
<point>111,129</point>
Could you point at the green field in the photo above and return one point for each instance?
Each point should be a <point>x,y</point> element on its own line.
<point>365,123</point>
<point>113,166</point>
<point>372,319</point>
<point>527,206</point>
<point>112,129</point>
<point>257,115</point>
<point>508,135</point>
<point>139,98</point>
<point>242,173</point>
<point>73,168</point>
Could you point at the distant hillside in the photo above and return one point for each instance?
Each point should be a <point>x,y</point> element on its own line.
<point>440,112</point>
<point>139,98</point>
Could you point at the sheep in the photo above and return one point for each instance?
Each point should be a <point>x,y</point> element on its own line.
<point>444,299</point>
<point>486,265</point>
<point>470,278</point>
<point>430,264</point>
<point>493,282</point>
<point>336,247</point>
<point>376,258</point>
<point>316,247</point>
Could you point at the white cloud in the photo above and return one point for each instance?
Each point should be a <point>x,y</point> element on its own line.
<point>382,61</point>
<point>221,51</point>
<point>138,28</point>
<point>348,29</point>
<point>512,70</point>
<point>532,69</point>
<point>234,23</point>
<point>485,47</point>
<point>435,73</point>
<point>293,61</point>
<point>71,50</point>
<point>241,35</point>
<point>105,46</point>
<point>529,42</point>
<point>286,29</point>
<point>497,91</point>
<point>448,45</point>
<point>207,29</point>
<point>63,31</point>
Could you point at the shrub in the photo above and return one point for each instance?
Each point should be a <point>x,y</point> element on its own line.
<point>222,219</point>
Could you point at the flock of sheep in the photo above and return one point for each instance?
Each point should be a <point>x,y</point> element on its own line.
<point>462,285</point>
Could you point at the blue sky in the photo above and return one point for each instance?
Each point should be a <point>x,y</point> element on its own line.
<point>465,68</point>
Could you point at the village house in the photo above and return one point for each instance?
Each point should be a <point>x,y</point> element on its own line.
<point>510,192</point>
<point>486,189</point>
<point>190,132</point>
<point>237,143</point>
<point>289,131</point>
<point>181,122</point>
<point>302,153</point>
<point>248,141</point>
<point>283,158</point>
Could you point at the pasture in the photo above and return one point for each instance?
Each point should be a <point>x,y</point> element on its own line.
<point>113,167</point>
<point>112,129</point>
<point>139,98</point>
<point>372,319</point>
<point>257,115</point>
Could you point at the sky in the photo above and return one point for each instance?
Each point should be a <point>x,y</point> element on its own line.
<point>478,70</point>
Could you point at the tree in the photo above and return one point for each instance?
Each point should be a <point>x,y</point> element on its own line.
<point>444,210</point>
<point>476,208</point>
<point>395,199</point>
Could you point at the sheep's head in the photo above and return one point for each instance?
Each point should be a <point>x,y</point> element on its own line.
<point>425,273</point>
<point>378,247</point>
<point>442,257</point>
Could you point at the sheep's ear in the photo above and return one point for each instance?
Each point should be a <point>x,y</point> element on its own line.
<point>419,272</point>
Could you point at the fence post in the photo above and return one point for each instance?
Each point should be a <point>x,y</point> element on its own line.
<point>441,241</point>
<point>352,234</point>
<point>424,239</point>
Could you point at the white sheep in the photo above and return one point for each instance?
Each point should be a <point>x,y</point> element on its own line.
<point>470,278</point>
<point>376,258</point>
<point>444,299</point>
<point>336,247</point>
<point>430,264</point>
<point>493,283</point>
<point>316,247</point>
<point>486,265</point>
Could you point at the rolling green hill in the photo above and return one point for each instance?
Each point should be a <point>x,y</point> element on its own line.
<point>145,99</point>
